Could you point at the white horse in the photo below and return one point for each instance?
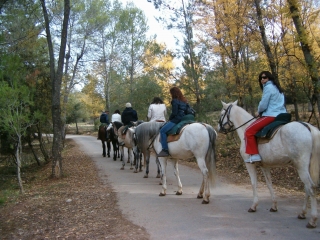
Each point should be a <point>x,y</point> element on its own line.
<point>295,143</point>
<point>129,143</point>
<point>143,143</point>
<point>197,140</point>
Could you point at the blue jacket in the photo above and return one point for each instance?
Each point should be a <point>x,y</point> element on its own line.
<point>104,118</point>
<point>178,110</point>
<point>272,102</point>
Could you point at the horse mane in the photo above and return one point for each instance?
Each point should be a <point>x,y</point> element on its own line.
<point>146,131</point>
<point>117,124</point>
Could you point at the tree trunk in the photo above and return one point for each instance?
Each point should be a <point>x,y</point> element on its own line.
<point>306,49</point>
<point>18,160</point>
<point>56,78</point>
<point>42,147</point>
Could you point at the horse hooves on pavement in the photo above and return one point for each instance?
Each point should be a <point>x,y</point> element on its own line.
<point>161,194</point>
<point>178,193</point>
<point>135,171</point>
<point>301,216</point>
<point>273,210</point>
<point>158,176</point>
<point>251,210</point>
<point>205,202</point>
<point>310,226</point>
<point>122,168</point>
<point>199,196</point>
<point>145,176</point>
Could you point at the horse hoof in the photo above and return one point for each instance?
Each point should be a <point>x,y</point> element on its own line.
<point>108,155</point>
<point>135,171</point>
<point>160,183</point>
<point>158,176</point>
<point>122,168</point>
<point>178,193</point>
<point>251,210</point>
<point>114,159</point>
<point>145,176</point>
<point>161,194</point>
<point>205,202</point>
<point>310,226</point>
<point>273,210</point>
<point>128,161</point>
<point>131,168</point>
<point>301,216</point>
<point>199,196</point>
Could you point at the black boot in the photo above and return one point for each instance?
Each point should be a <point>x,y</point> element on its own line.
<point>163,153</point>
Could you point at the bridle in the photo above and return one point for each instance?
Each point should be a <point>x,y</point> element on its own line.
<point>229,123</point>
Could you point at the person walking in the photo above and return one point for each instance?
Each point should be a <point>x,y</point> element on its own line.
<point>157,110</point>
<point>271,105</point>
<point>179,107</point>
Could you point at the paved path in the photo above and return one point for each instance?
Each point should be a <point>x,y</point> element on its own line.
<point>184,217</point>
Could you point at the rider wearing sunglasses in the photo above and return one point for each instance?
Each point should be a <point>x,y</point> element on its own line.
<point>272,104</point>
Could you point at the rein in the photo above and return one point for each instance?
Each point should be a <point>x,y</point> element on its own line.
<point>227,114</point>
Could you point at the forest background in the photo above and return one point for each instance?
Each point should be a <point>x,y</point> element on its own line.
<point>65,61</point>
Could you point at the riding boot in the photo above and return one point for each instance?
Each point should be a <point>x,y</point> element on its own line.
<point>163,153</point>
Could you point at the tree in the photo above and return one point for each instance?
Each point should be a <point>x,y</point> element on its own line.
<point>56,79</point>
<point>306,48</point>
<point>15,116</point>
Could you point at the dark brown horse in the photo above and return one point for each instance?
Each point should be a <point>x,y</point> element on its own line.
<point>115,143</point>
<point>103,137</point>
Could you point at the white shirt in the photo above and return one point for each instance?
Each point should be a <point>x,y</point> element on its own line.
<point>116,117</point>
<point>157,112</point>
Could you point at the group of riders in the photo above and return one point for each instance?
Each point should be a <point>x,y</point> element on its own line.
<point>272,104</point>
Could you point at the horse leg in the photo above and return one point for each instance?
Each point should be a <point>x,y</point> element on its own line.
<point>114,146</point>
<point>140,157</point>
<point>176,173</point>
<point>204,191</point>
<point>121,159</point>
<point>267,176</point>
<point>163,161</point>
<point>108,146</point>
<point>158,167</point>
<point>305,178</point>
<point>147,161</point>
<point>135,154</point>
<point>131,159</point>
<point>103,148</point>
<point>253,176</point>
<point>200,194</point>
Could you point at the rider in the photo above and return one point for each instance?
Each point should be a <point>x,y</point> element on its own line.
<point>179,106</point>
<point>104,121</point>
<point>116,117</point>
<point>128,115</point>
<point>157,110</point>
<point>272,104</point>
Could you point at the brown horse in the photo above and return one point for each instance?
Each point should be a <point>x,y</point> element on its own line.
<point>103,137</point>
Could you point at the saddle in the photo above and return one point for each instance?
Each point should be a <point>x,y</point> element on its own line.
<point>174,133</point>
<point>268,132</point>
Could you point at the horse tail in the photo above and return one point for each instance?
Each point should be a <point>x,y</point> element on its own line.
<point>314,167</point>
<point>211,154</point>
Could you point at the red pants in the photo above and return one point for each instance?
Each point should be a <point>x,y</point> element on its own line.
<point>256,126</point>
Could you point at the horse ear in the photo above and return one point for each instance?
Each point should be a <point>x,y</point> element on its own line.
<point>224,104</point>
<point>235,103</point>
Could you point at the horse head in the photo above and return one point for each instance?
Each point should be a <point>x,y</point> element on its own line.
<point>225,125</point>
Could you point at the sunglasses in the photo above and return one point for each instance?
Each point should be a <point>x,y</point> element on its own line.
<point>263,77</point>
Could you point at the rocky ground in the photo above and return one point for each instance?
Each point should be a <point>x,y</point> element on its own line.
<point>80,206</point>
